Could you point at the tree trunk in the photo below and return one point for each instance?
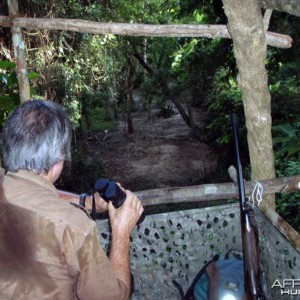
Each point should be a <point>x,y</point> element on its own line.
<point>190,112</point>
<point>129,98</point>
<point>128,112</point>
<point>20,54</point>
<point>245,24</point>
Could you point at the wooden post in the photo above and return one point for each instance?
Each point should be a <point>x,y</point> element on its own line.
<point>246,27</point>
<point>20,53</point>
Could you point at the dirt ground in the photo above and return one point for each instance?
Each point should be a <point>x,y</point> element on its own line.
<point>160,153</point>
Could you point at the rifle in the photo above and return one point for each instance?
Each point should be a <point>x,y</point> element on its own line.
<point>250,241</point>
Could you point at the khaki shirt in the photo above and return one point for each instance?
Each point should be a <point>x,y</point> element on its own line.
<point>49,249</point>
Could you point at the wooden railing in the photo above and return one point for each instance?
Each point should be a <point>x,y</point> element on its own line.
<point>213,193</point>
<point>129,29</point>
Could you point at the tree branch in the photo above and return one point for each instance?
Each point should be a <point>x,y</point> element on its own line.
<point>267,18</point>
<point>143,63</point>
<point>168,93</point>
<point>292,6</point>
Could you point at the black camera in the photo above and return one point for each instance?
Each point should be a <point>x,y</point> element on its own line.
<point>110,191</point>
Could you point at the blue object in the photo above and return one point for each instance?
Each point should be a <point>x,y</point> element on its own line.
<point>231,281</point>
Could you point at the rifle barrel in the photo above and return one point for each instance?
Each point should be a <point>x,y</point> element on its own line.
<point>249,230</point>
<point>240,178</point>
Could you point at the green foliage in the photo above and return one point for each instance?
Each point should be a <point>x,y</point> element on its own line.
<point>78,78</point>
<point>283,69</point>
<point>153,11</point>
<point>9,96</point>
<point>285,88</point>
<point>71,8</point>
<point>293,168</point>
<point>195,12</point>
<point>73,109</point>
<point>287,159</point>
<point>154,93</point>
<point>183,53</point>
<point>287,206</point>
<point>286,139</point>
<point>192,55</point>
<point>9,87</point>
<point>100,119</point>
<point>223,99</point>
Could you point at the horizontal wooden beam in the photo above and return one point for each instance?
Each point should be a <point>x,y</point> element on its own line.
<point>209,192</point>
<point>216,192</point>
<point>183,30</point>
<point>213,192</point>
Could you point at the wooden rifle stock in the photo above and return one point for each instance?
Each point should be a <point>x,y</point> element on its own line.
<point>249,230</point>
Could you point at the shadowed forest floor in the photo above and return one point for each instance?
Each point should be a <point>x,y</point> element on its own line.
<point>161,152</point>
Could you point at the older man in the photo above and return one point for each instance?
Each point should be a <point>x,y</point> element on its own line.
<point>49,249</point>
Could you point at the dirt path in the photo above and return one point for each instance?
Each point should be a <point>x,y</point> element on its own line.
<point>161,152</point>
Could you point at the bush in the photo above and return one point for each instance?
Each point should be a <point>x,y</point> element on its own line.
<point>287,161</point>
<point>224,98</point>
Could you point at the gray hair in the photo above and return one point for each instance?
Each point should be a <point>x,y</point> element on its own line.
<point>36,136</point>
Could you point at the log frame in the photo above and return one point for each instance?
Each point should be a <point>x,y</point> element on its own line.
<point>20,53</point>
<point>208,192</point>
<point>183,30</point>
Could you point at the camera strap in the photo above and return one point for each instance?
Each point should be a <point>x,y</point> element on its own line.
<point>93,214</point>
<point>82,199</point>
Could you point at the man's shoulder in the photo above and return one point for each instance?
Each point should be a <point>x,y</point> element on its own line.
<point>67,214</point>
<point>45,203</point>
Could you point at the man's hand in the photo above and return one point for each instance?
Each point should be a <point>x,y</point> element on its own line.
<point>124,218</point>
<point>101,205</point>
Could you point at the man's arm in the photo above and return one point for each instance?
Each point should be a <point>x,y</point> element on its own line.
<point>123,221</point>
<point>96,278</point>
<point>120,261</point>
<point>101,205</point>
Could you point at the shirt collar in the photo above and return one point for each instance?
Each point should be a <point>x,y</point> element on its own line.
<point>34,178</point>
